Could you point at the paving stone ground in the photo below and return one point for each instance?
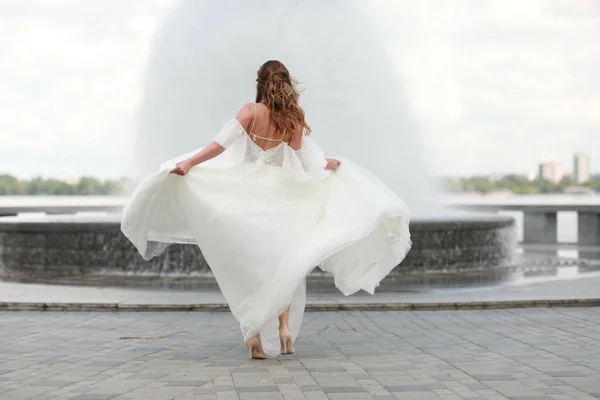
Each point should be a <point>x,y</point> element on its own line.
<point>523,354</point>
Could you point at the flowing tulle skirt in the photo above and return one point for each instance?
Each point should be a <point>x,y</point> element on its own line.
<point>262,232</point>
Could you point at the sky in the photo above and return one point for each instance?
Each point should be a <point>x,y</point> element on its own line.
<point>496,86</point>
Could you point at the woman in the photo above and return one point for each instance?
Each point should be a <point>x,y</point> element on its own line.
<point>269,209</point>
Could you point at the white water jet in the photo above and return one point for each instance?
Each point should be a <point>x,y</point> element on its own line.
<point>203,68</point>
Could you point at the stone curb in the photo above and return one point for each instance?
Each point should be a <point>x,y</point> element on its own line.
<point>326,307</point>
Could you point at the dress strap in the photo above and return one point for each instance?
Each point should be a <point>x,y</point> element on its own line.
<point>263,138</point>
<point>253,120</point>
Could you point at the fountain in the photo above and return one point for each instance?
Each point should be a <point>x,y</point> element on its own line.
<point>202,69</point>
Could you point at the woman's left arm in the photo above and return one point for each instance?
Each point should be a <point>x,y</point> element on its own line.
<point>207,153</point>
<point>230,132</point>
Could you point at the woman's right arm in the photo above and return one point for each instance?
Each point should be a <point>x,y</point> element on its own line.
<point>295,143</point>
<point>332,164</point>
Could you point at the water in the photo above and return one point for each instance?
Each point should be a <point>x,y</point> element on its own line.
<point>47,201</point>
<point>567,221</point>
<point>203,68</point>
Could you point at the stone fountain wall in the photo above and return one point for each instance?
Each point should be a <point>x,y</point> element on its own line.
<point>83,246</point>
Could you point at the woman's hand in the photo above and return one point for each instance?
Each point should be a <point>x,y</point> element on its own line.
<point>182,168</point>
<point>332,164</point>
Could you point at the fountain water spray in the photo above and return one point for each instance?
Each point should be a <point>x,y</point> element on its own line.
<point>203,68</point>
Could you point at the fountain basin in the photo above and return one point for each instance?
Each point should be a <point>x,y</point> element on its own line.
<point>448,250</point>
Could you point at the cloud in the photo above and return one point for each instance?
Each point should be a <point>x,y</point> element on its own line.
<point>70,83</point>
<point>500,84</point>
<point>495,85</point>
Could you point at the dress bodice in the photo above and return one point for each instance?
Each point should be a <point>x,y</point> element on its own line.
<point>243,150</point>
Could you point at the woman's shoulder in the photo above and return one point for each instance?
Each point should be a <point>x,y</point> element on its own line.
<point>249,109</point>
<point>246,109</point>
<point>246,114</point>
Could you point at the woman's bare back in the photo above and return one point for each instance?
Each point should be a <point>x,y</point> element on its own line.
<point>263,133</point>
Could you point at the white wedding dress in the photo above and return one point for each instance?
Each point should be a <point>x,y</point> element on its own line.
<point>265,219</point>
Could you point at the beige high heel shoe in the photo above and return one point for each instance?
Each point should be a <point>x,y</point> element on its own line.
<point>255,349</point>
<point>287,344</point>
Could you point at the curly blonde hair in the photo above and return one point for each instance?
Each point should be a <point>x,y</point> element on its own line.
<point>276,89</point>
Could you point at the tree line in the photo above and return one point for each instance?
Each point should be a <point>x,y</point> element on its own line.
<point>10,185</point>
<point>514,183</point>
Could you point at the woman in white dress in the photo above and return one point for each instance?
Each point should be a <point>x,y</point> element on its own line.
<point>266,207</point>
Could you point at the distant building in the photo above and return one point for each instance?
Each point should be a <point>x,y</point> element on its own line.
<point>551,172</point>
<point>581,167</point>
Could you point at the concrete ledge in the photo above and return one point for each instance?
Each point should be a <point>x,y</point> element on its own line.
<point>477,305</point>
<point>591,207</point>
<point>540,227</point>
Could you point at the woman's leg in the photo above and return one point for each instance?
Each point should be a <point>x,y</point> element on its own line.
<point>284,321</point>
<point>287,346</point>
<point>255,348</point>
